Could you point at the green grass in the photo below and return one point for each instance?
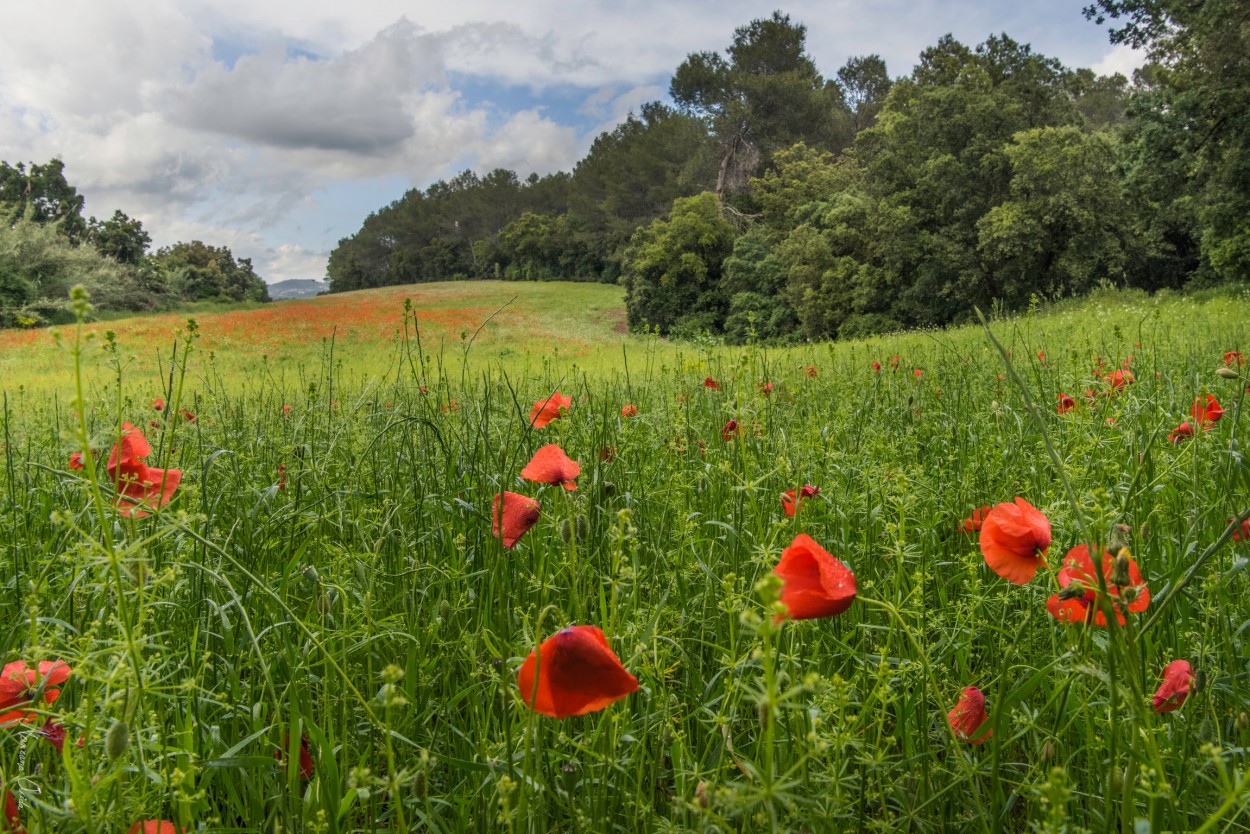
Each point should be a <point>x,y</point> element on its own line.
<point>478,324</point>
<point>244,614</point>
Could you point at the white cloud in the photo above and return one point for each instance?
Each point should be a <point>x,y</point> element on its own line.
<point>291,261</point>
<point>1122,59</point>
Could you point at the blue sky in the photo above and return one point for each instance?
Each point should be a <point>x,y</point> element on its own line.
<point>275,128</point>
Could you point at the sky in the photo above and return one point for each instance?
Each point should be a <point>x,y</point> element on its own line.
<point>276,127</point>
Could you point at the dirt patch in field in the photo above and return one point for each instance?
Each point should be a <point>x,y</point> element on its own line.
<point>616,319</point>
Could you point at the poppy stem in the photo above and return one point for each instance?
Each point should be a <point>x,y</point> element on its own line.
<point>1036,414</point>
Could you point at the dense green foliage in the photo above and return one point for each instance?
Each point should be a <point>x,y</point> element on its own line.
<point>46,247</point>
<point>326,569</point>
<point>986,177</point>
<point>562,226</point>
<point>1190,145</point>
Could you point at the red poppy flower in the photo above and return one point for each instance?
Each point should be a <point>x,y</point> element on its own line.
<point>158,404</point>
<point>730,431</point>
<point>894,361</point>
<point>573,672</point>
<point>520,513</point>
<point>28,689</point>
<point>708,382</point>
<point>876,367</point>
<point>139,485</point>
<point>1066,404</point>
<point>54,733</point>
<point>551,466</point>
<point>791,501</point>
<point>1181,432</point>
<point>917,373</point>
<point>187,415</point>
<point>1177,677</point>
<point>1242,535</point>
<point>286,409</point>
<point>1041,356</point>
<point>972,523</point>
<point>1232,356</point>
<point>629,410</point>
<point>1078,600</point>
<point>607,454</point>
<point>815,584</point>
<point>75,461</point>
<point>1014,538</point>
<point>450,405</point>
<point>544,411</point>
<point>968,716</point>
<point>155,827</point>
<point>1118,379</point>
<point>766,388</point>
<point>306,766</point>
<point>1207,413</point>
<point>811,371</point>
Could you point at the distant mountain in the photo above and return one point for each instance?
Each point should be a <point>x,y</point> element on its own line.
<point>297,288</point>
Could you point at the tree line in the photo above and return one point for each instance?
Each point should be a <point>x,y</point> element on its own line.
<point>770,201</point>
<point>47,246</point>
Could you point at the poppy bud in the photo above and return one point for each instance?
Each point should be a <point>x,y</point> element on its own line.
<point>418,784</point>
<point>1071,592</point>
<point>310,575</point>
<point>609,489</point>
<point>581,526</point>
<point>1200,680</point>
<point>444,609</point>
<point>117,739</point>
<point>700,793</point>
<point>1242,721</point>
<point>325,604</point>
<point>1119,571</point>
<point>1226,373</point>
<point>566,531</point>
<point>1048,750</point>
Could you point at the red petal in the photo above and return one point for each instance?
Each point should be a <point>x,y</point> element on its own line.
<point>1177,677</point>
<point>815,583</point>
<point>520,513</point>
<point>577,673</point>
<point>1013,539</point>
<point>551,466</point>
<point>968,716</point>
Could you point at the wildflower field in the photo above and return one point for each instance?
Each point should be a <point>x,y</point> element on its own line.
<point>986,579</point>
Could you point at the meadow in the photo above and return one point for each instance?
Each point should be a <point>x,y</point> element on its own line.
<point>315,627</point>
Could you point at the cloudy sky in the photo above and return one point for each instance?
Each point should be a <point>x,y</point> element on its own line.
<point>275,127</point>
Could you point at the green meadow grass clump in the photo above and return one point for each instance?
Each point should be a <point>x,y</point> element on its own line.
<point>317,629</point>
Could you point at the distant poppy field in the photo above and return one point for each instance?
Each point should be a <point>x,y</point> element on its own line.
<point>986,579</point>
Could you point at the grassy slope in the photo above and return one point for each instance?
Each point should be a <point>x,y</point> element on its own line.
<point>567,320</point>
<point>545,330</point>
